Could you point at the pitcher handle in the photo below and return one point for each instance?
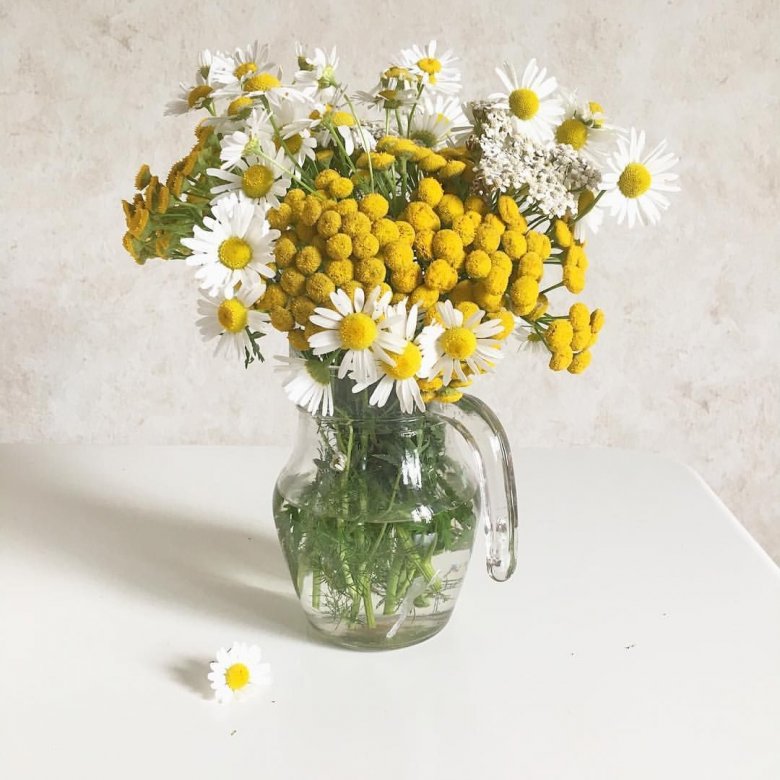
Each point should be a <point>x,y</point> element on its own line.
<point>486,437</point>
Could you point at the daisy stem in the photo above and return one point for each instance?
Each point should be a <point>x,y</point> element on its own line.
<point>290,173</point>
<point>340,143</point>
<point>398,122</point>
<point>591,207</point>
<point>316,586</point>
<point>414,106</point>
<point>362,139</point>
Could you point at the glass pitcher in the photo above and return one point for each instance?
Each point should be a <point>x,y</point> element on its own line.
<point>376,512</point>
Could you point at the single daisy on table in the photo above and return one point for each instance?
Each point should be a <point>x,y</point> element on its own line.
<point>235,246</point>
<point>228,319</point>
<point>457,341</point>
<point>531,99</point>
<point>435,73</point>
<point>358,326</point>
<point>584,127</point>
<point>237,673</point>
<point>255,137</point>
<point>262,179</point>
<point>307,383</point>
<point>400,373</point>
<point>636,181</point>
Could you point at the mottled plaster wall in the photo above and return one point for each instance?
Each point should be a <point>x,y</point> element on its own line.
<point>96,349</point>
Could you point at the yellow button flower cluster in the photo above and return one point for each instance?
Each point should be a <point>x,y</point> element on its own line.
<point>439,246</point>
<point>347,227</point>
<point>569,338</point>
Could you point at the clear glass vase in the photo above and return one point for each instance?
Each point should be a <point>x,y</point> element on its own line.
<point>376,513</point>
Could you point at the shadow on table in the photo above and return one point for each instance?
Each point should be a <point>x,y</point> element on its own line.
<point>209,567</point>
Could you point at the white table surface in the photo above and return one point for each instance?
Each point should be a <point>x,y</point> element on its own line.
<point>639,638</point>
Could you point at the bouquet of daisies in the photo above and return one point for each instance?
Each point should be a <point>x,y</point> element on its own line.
<point>397,235</point>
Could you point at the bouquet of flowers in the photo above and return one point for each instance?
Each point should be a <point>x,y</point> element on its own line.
<point>397,235</point>
<point>400,238</point>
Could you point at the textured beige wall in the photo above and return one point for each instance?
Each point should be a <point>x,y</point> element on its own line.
<point>97,349</point>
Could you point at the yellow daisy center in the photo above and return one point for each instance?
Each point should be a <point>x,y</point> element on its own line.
<point>458,343</point>
<point>573,132</point>
<point>197,94</point>
<point>318,371</point>
<point>407,364</point>
<point>595,108</point>
<point>238,105</point>
<point>397,73</point>
<point>429,65</point>
<point>232,315</point>
<point>257,180</point>
<point>293,143</point>
<point>425,138</point>
<point>524,103</point>
<point>261,82</point>
<point>244,69</point>
<point>357,331</point>
<point>342,119</point>
<point>236,676</point>
<point>635,180</point>
<point>235,253</point>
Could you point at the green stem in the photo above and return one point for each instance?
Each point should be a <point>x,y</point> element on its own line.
<point>368,604</point>
<point>316,587</point>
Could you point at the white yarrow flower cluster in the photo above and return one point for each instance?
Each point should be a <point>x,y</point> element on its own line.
<point>551,173</point>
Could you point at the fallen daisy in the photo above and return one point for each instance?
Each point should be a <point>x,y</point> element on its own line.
<point>237,672</point>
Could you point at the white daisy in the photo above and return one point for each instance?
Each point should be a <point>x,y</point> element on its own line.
<point>228,319</point>
<point>235,246</point>
<point>460,342</point>
<point>357,326</point>
<point>266,83</point>
<point>635,181</point>
<point>317,71</point>
<point>532,101</point>
<point>191,97</point>
<point>529,339</point>
<point>345,125</point>
<point>308,383</point>
<point>435,123</point>
<point>591,221</point>
<point>401,372</point>
<point>230,70</point>
<point>584,127</point>
<point>256,136</point>
<point>437,74</point>
<point>295,129</point>
<point>386,98</point>
<point>237,672</point>
<point>261,179</point>
<point>209,63</point>
<point>396,90</point>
